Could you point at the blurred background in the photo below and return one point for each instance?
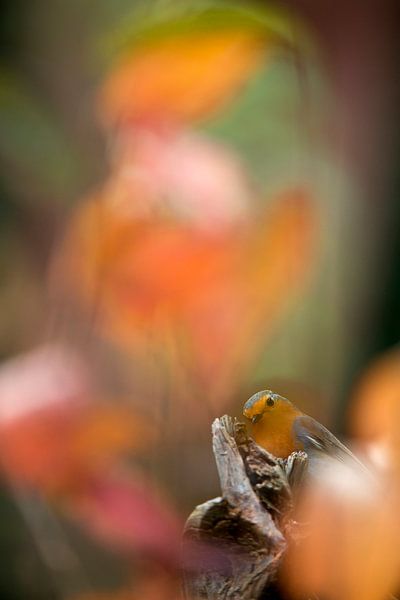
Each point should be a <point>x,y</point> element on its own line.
<point>198,200</point>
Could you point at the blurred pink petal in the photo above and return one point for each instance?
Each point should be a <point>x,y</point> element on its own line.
<point>194,179</point>
<point>127,515</point>
<point>41,396</point>
<point>50,377</point>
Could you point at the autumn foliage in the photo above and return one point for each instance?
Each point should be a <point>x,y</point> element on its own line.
<point>171,276</point>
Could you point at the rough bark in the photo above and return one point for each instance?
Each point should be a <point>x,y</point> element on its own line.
<point>233,544</point>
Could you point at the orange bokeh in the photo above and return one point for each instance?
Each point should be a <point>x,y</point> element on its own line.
<point>57,449</point>
<point>376,404</point>
<point>54,432</point>
<point>180,79</point>
<point>350,547</point>
<point>214,292</point>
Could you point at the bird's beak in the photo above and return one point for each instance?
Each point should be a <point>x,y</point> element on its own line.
<point>256,418</point>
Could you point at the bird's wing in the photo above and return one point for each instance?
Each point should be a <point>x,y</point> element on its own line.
<point>317,439</point>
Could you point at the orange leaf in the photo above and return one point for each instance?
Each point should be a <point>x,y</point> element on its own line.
<point>270,265</point>
<point>41,395</point>
<point>216,292</point>
<point>52,435</point>
<point>105,431</point>
<point>58,450</point>
<point>376,404</point>
<point>349,547</point>
<point>180,79</point>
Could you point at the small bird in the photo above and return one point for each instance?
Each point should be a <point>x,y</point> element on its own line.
<point>281,428</point>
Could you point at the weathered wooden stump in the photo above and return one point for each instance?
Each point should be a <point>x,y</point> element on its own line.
<point>233,545</point>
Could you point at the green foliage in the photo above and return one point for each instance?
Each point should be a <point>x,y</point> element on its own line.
<point>146,26</point>
<point>32,144</point>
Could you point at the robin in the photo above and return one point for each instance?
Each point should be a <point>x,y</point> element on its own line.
<point>281,428</point>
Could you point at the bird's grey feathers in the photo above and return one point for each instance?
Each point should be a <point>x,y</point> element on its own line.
<point>317,440</point>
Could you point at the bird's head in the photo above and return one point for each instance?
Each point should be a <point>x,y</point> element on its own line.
<point>266,402</point>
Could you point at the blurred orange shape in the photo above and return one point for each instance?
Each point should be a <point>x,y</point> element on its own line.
<point>280,254</point>
<point>353,549</point>
<point>270,264</point>
<point>376,403</point>
<point>97,239</point>
<point>58,450</point>
<point>41,395</point>
<point>181,78</point>
<point>350,547</point>
<point>106,431</point>
<point>159,230</point>
<point>126,514</point>
<point>284,243</point>
<point>53,436</point>
<point>375,413</point>
<point>216,292</point>
<point>167,271</point>
<point>125,264</point>
<point>34,450</point>
<point>144,274</point>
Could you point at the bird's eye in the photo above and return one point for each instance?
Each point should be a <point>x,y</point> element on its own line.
<point>270,402</point>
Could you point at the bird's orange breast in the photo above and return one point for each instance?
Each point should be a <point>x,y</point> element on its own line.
<point>275,432</point>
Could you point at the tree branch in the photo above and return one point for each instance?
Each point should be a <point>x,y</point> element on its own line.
<point>233,544</point>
